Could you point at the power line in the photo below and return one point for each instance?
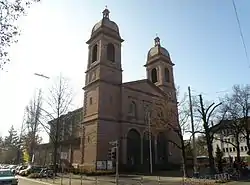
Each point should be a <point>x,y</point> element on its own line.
<point>241,33</point>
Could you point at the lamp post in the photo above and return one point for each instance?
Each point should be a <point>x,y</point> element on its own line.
<point>150,143</point>
<point>148,122</point>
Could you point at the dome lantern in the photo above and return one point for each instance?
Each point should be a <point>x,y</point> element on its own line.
<point>157,50</point>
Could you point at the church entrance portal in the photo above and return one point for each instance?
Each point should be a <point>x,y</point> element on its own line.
<point>133,149</point>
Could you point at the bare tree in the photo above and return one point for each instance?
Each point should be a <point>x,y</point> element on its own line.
<point>32,124</point>
<point>232,123</point>
<point>240,98</point>
<point>206,115</point>
<point>168,116</point>
<point>10,12</point>
<point>59,100</point>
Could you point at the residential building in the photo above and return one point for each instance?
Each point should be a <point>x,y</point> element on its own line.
<point>69,138</point>
<point>226,140</point>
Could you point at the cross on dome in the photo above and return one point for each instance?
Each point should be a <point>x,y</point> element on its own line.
<point>157,41</point>
<point>106,12</point>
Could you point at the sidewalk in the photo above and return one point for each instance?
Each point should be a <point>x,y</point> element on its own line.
<point>123,177</point>
<point>59,181</point>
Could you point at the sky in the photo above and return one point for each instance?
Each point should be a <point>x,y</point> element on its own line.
<point>202,38</point>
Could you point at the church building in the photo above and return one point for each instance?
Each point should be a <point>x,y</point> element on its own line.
<point>114,110</point>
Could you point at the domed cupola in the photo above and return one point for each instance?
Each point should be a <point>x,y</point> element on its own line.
<point>157,51</point>
<point>106,26</point>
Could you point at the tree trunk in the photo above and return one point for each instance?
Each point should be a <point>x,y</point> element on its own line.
<point>184,158</point>
<point>56,146</point>
<point>55,157</point>
<point>210,154</point>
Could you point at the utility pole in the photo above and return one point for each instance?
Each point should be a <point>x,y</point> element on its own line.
<point>193,131</point>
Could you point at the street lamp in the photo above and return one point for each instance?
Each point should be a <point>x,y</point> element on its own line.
<point>148,120</point>
<point>41,75</point>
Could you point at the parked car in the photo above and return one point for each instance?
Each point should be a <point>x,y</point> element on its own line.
<point>45,172</point>
<point>30,169</point>
<point>7,177</point>
<point>19,168</point>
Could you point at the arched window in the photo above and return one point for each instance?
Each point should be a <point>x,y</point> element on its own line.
<point>154,75</point>
<point>132,109</point>
<point>94,53</point>
<point>111,52</point>
<point>167,76</point>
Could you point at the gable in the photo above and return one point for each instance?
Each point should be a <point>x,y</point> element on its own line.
<point>144,86</point>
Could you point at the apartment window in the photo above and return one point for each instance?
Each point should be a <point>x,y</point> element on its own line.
<point>223,149</point>
<point>233,149</point>
<point>246,148</point>
<point>226,149</point>
<point>241,148</point>
<point>230,149</point>
<point>90,100</point>
<point>70,128</point>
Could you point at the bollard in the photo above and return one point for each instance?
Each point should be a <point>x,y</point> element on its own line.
<point>62,179</point>
<point>96,181</point>
<point>70,177</point>
<point>159,180</point>
<point>81,178</point>
<point>54,178</point>
<point>141,180</point>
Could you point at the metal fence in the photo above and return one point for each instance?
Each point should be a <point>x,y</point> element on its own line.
<point>71,179</point>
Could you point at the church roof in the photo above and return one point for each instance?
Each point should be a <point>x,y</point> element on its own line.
<point>135,85</point>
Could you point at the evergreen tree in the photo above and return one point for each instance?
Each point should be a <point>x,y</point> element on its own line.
<point>12,140</point>
<point>10,147</point>
<point>219,159</point>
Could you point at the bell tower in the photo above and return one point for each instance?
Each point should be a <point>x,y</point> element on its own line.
<point>102,91</point>
<point>159,68</point>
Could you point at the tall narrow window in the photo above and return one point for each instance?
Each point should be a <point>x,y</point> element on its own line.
<point>167,76</point>
<point>90,101</point>
<point>154,75</point>
<point>94,53</point>
<point>111,52</point>
<point>132,109</point>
